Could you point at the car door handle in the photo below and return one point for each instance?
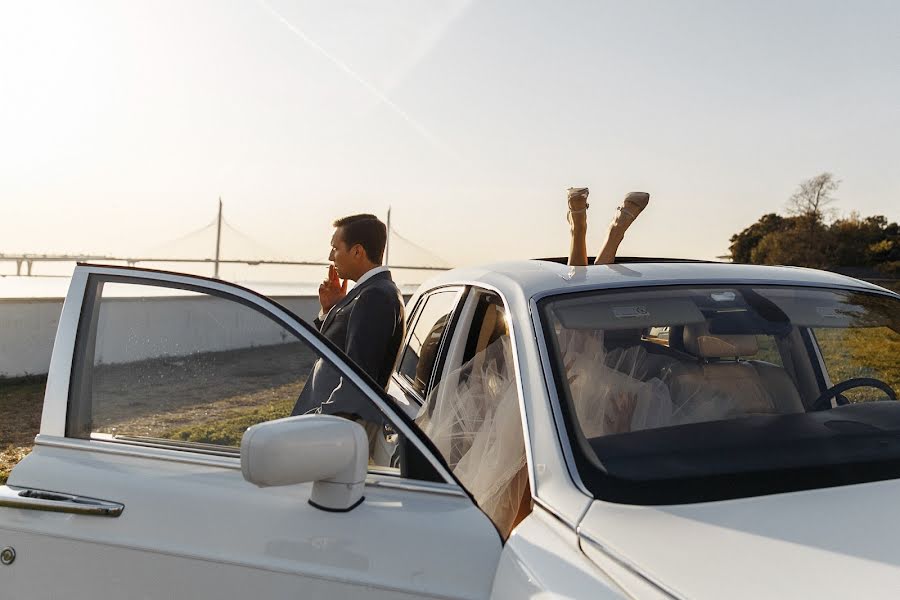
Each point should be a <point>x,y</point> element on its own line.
<point>31,499</point>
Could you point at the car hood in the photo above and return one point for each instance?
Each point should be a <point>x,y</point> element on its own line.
<point>830,543</point>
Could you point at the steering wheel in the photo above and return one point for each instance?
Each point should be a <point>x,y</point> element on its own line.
<point>823,402</point>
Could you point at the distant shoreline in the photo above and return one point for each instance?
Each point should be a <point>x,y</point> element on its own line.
<point>55,287</point>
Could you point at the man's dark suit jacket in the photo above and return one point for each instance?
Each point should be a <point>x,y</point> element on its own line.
<point>368,325</point>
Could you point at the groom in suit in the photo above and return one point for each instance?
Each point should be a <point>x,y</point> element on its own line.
<point>367,323</point>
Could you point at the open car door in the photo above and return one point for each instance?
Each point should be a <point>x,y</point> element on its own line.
<point>134,487</point>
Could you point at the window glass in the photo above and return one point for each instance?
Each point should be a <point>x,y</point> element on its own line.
<point>421,351</point>
<point>869,352</point>
<point>183,369</point>
<point>724,379</point>
<point>658,335</point>
<point>472,416</point>
<point>767,350</point>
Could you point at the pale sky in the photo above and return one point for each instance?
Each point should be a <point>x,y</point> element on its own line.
<point>122,122</point>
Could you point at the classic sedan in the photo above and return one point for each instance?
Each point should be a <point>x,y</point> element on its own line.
<point>649,429</point>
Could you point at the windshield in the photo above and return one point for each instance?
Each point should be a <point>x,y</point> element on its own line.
<point>679,394</point>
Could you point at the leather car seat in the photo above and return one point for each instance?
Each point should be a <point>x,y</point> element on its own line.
<point>722,383</point>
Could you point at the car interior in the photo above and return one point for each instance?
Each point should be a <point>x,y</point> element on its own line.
<point>699,366</point>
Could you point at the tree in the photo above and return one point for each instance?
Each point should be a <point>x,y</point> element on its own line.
<point>743,243</point>
<point>805,239</point>
<point>858,242</point>
<point>885,253</point>
<point>814,196</point>
<point>798,242</point>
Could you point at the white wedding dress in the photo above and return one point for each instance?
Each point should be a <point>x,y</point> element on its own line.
<point>474,420</point>
<point>607,388</point>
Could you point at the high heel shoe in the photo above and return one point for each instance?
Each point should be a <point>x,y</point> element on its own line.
<point>577,195</point>
<point>634,204</point>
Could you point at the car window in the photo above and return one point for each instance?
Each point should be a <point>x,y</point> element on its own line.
<point>767,345</point>
<point>869,352</point>
<point>725,379</point>
<point>189,370</point>
<point>473,418</point>
<point>421,351</point>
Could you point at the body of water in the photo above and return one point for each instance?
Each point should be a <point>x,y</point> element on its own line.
<point>12,287</point>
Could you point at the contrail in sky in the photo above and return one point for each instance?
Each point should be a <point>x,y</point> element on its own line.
<point>360,80</point>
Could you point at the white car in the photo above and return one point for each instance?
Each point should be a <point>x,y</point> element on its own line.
<point>639,430</point>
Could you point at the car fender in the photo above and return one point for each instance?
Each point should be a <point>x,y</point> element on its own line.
<point>542,559</point>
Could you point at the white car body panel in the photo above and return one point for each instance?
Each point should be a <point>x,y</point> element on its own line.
<point>522,283</point>
<point>391,544</point>
<point>53,415</point>
<point>826,543</point>
<point>192,527</point>
<point>540,561</point>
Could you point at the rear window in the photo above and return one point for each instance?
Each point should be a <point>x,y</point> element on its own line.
<point>689,394</point>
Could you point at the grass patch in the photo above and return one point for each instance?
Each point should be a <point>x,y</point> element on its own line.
<point>21,401</point>
<point>861,352</point>
<point>768,350</point>
<point>228,429</point>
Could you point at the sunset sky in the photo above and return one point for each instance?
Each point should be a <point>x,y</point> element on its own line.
<point>122,123</point>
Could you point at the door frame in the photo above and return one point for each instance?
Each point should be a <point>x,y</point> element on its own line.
<point>77,315</point>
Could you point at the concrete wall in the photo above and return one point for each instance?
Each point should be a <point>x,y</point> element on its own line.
<point>132,328</point>
<point>27,331</point>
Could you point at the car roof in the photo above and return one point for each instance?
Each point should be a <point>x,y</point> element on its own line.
<point>542,277</point>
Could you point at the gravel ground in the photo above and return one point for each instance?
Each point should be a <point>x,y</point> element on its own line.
<point>154,397</point>
<point>20,418</point>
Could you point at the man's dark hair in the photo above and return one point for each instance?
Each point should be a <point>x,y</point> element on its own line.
<point>366,230</point>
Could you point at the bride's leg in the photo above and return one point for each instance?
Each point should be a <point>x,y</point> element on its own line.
<point>631,207</point>
<point>578,227</point>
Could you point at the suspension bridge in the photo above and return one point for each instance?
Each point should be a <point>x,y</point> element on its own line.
<point>256,254</point>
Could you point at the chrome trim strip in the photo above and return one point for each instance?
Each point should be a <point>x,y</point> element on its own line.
<point>409,485</point>
<point>406,387</point>
<point>149,452</point>
<point>627,565</point>
<point>177,445</point>
<point>375,477</point>
<point>47,501</point>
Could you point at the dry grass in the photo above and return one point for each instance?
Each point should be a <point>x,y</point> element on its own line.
<point>20,407</point>
<point>861,352</point>
<point>229,426</point>
<point>210,397</point>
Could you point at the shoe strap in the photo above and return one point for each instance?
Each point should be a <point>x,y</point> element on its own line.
<point>628,212</point>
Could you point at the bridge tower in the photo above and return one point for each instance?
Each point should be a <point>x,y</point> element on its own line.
<point>218,238</point>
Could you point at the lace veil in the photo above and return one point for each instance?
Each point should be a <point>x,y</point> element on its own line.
<point>607,388</point>
<point>474,420</point>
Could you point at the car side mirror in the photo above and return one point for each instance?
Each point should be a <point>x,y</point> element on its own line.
<point>330,451</point>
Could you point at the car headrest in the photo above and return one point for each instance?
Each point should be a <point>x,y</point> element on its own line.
<point>700,342</point>
<point>621,338</point>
